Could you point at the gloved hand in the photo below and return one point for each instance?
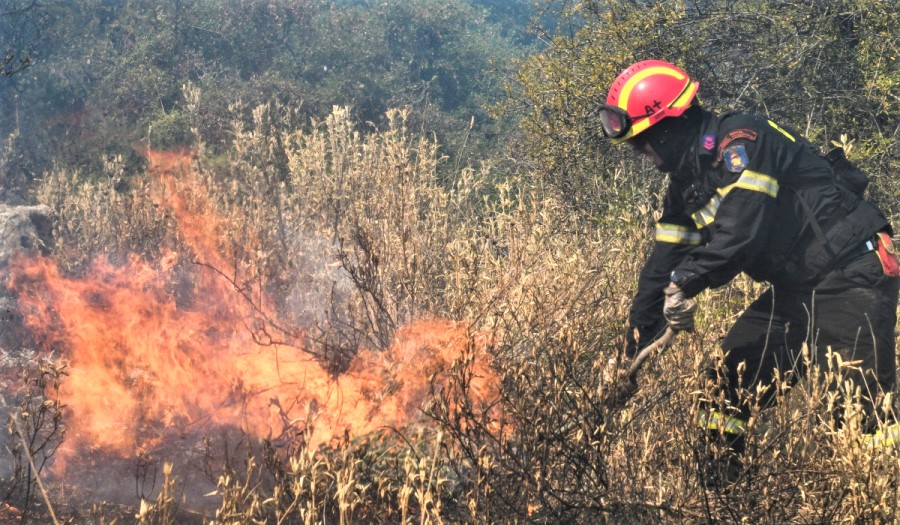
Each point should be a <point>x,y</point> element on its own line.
<point>678,309</point>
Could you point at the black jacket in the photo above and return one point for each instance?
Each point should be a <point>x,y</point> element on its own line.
<point>753,197</point>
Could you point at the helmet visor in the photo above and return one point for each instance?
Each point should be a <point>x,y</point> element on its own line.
<point>615,121</point>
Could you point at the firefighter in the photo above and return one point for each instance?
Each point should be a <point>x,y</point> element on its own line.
<point>747,194</point>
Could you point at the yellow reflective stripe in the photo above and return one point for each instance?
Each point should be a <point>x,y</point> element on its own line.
<point>716,420</point>
<point>783,132</point>
<point>676,234</point>
<point>749,180</point>
<point>707,214</point>
<point>641,75</point>
<point>886,437</point>
<point>681,101</point>
<point>637,127</point>
<point>686,95</point>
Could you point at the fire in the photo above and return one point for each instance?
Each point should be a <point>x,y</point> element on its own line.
<point>8,513</point>
<point>150,360</point>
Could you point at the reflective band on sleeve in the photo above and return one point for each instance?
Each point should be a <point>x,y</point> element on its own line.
<point>676,234</point>
<point>886,437</point>
<point>749,180</point>
<point>783,132</point>
<point>716,420</point>
<point>707,214</point>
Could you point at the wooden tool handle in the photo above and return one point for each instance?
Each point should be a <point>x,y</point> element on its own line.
<point>650,350</point>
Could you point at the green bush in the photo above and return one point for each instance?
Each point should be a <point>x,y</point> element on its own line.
<point>170,131</point>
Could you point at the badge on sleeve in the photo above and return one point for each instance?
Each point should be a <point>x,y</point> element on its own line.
<point>731,136</point>
<point>735,157</point>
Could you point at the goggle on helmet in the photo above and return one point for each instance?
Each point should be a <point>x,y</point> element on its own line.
<point>642,95</point>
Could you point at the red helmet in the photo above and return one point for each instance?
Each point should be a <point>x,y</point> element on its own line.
<point>644,94</point>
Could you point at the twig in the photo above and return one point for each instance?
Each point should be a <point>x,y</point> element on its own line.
<point>37,478</point>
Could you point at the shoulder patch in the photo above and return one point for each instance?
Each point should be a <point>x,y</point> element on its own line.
<point>735,158</point>
<point>733,135</point>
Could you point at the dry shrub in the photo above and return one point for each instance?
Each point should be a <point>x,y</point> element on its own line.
<point>100,214</point>
<point>35,430</point>
<point>352,234</point>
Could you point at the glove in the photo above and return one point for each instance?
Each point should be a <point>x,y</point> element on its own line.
<point>678,309</point>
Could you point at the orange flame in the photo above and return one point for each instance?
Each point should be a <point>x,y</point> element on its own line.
<point>8,513</point>
<point>146,364</point>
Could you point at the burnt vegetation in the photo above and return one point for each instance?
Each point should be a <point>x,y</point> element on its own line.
<point>378,163</point>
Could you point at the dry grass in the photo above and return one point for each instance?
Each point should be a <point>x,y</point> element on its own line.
<point>353,237</point>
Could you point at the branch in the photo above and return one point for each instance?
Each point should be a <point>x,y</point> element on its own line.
<point>650,351</point>
<point>258,309</point>
<point>37,477</point>
<point>24,63</point>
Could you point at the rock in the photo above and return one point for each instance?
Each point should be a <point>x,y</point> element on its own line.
<point>24,229</point>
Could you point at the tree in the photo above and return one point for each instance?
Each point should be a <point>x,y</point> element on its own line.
<point>110,75</point>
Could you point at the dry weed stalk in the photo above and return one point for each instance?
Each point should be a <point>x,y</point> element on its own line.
<point>241,500</point>
<point>165,509</point>
<point>37,478</point>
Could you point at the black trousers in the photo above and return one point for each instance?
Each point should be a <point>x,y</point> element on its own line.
<point>853,311</point>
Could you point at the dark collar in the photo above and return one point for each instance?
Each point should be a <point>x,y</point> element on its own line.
<point>701,154</point>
